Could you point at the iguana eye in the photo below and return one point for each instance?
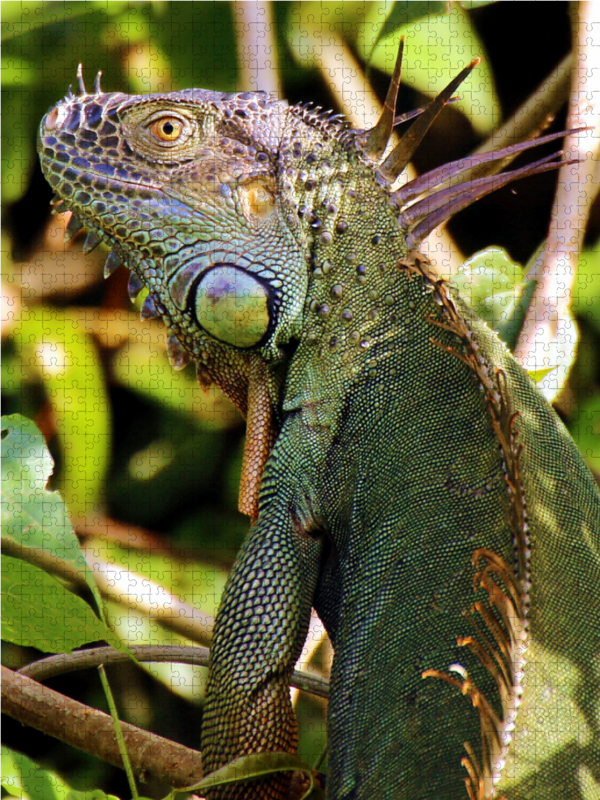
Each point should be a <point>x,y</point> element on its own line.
<point>233,306</point>
<point>167,129</point>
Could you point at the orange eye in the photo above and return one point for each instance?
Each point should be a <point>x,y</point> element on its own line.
<point>167,129</point>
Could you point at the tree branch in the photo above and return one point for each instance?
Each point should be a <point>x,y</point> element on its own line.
<point>92,731</point>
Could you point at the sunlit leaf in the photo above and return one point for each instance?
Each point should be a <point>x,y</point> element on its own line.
<point>32,516</point>
<point>251,767</point>
<point>586,289</point>
<point>144,368</point>
<point>538,375</point>
<point>436,52</point>
<point>585,429</point>
<point>400,15</point>
<point>22,778</point>
<point>37,611</point>
<point>491,282</point>
<point>71,371</point>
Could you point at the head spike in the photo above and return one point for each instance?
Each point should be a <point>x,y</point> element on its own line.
<point>113,262</point>
<point>408,115</point>
<point>179,358</point>
<point>411,216</point>
<point>376,139</point>
<point>60,207</point>
<point>82,89</point>
<point>404,151</point>
<point>443,205</point>
<point>74,225</point>
<point>134,286</point>
<point>149,310</point>
<point>92,240</point>
<point>430,180</point>
<point>97,79</point>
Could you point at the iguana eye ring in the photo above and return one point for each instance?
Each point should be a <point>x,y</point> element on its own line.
<point>167,129</point>
<point>233,305</point>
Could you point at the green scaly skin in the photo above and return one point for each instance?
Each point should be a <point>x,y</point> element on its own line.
<point>400,489</point>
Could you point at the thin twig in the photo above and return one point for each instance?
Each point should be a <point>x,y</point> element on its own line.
<point>118,727</point>
<point>316,636</point>
<point>90,730</point>
<point>63,663</point>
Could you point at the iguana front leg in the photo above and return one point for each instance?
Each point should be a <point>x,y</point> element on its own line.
<point>262,623</point>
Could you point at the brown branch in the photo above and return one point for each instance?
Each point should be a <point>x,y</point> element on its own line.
<point>92,731</point>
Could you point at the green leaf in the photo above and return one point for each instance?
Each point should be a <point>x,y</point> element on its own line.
<point>491,282</point>
<point>251,767</point>
<point>71,370</point>
<point>538,375</point>
<point>92,794</point>
<point>35,521</point>
<point>22,778</point>
<point>476,3</point>
<point>144,369</point>
<point>435,52</point>
<point>585,430</point>
<point>32,516</point>
<point>37,611</point>
<point>400,15</point>
<point>586,290</point>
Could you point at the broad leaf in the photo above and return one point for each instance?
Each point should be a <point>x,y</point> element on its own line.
<point>492,283</point>
<point>435,52</point>
<point>22,778</point>
<point>252,767</point>
<point>33,517</point>
<point>37,611</point>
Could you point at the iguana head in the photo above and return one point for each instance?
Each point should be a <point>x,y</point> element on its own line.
<point>228,208</point>
<point>187,190</point>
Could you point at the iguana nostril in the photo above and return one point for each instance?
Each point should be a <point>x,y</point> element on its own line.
<point>51,119</point>
<point>55,117</point>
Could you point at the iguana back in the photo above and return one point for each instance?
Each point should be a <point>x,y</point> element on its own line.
<point>414,485</point>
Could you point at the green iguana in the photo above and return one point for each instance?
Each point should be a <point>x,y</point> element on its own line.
<point>403,474</point>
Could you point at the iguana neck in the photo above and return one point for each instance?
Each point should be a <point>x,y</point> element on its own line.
<point>359,301</point>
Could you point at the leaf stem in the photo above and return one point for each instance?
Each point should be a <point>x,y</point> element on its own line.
<point>118,732</point>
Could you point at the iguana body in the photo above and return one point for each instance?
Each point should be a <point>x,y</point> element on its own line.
<point>397,486</point>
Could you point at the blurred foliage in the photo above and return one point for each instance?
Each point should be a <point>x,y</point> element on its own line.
<point>147,463</point>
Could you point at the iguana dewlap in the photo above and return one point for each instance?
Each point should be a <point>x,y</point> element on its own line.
<point>406,477</point>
